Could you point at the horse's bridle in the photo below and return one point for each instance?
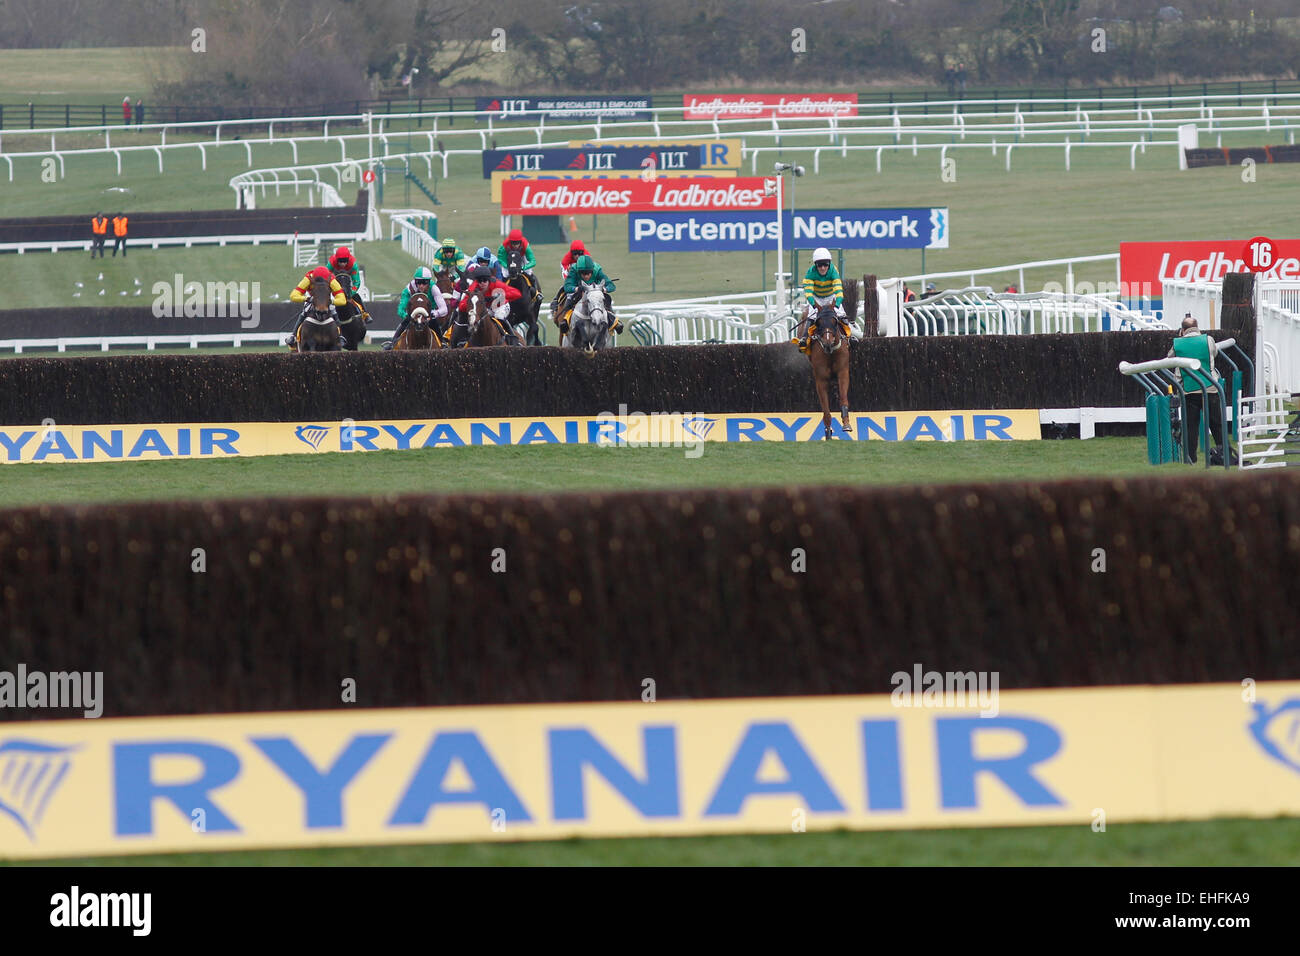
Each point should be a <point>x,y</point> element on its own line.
<point>839,334</point>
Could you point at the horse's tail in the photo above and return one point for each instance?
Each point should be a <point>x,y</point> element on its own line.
<point>851,299</point>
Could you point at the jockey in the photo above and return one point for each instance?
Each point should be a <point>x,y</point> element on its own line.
<point>576,249</point>
<point>422,284</point>
<point>483,283</point>
<point>299,294</point>
<point>342,261</point>
<point>449,254</point>
<point>821,285</point>
<point>484,257</point>
<point>515,242</point>
<point>586,269</point>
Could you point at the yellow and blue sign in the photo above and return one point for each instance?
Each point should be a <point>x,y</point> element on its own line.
<point>91,787</point>
<point>62,443</point>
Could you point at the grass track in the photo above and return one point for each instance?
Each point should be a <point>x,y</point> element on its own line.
<point>1208,843</point>
<point>553,468</point>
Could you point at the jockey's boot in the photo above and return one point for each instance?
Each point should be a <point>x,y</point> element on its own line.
<point>292,340</point>
<point>401,327</point>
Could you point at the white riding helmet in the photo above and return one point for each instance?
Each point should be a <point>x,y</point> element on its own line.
<point>821,254</point>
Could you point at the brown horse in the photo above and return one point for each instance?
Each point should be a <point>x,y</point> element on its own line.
<point>320,333</point>
<point>420,333</point>
<point>352,314</point>
<point>445,279</point>
<point>478,328</point>
<point>829,354</point>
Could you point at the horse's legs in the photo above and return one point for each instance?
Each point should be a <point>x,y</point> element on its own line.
<point>822,377</point>
<point>842,370</point>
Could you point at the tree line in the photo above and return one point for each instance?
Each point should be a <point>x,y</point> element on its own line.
<point>258,52</point>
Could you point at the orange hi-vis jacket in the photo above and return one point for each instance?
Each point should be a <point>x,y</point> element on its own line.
<point>299,293</point>
<point>99,226</point>
<point>119,225</point>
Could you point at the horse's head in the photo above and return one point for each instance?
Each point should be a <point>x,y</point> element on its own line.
<point>344,279</point>
<point>593,300</point>
<point>321,296</point>
<point>445,278</point>
<point>514,262</point>
<point>827,330</point>
<point>418,311</point>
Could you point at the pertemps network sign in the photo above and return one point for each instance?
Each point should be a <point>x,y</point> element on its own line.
<point>626,196</point>
<point>919,228</point>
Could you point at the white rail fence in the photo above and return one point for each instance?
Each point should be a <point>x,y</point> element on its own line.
<point>1072,122</point>
<point>1265,437</point>
<point>277,238</point>
<point>981,311</point>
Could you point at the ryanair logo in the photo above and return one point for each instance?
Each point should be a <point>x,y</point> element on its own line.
<point>30,774</point>
<point>1278,732</point>
<point>699,426</point>
<point>312,435</point>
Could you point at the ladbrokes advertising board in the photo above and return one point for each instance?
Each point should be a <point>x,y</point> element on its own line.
<point>625,196</point>
<point>768,105</point>
<point>90,787</point>
<point>498,178</point>
<point>1144,266</point>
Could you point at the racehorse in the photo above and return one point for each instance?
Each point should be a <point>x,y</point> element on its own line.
<point>352,315</point>
<point>445,279</point>
<point>589,324</point>
<point>420,333</point>
<point>320,331</point>
<point>830,354</point>
<point>530,306</point>
<point>479,329</point>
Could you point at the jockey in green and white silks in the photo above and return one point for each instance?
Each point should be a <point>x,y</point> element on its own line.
<point>421,283</point>
<point>821,286</point>
<point>587,270</point>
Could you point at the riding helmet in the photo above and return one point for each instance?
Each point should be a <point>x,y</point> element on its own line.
<point>481,274</point>
<point>821,254</point>
<point>424,273</point>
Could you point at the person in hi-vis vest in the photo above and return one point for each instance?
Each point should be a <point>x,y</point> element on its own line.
<point>98,233</point>
<point>119,234</point>
<point>1193,343</point>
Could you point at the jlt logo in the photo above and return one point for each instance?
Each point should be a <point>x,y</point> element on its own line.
<point>672,160</point>
<point>513,106</point>
<point>600,160</point>
<point>528,161</point>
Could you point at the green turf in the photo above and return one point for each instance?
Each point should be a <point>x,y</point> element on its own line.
<point>1209,843</point>
<point>542,468</point>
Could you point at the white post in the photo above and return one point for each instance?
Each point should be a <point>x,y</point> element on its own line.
<point>780,241</point>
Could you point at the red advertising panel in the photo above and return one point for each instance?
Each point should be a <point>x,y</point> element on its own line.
<point>620,196</point>
<point>766,105</point>
<point>1144,266</point>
